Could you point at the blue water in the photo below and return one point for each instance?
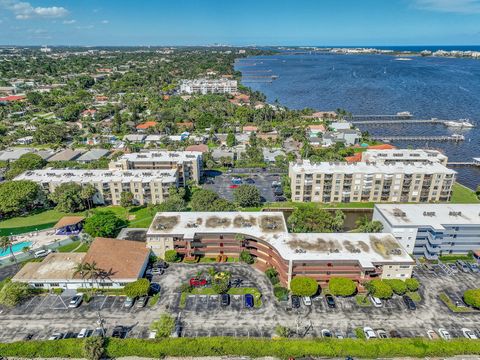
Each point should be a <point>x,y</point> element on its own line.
<point>444,88</point>
<point>16,248</point>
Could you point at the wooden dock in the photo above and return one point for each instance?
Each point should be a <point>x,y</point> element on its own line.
<point>418,138</point>
<point>399,121</point>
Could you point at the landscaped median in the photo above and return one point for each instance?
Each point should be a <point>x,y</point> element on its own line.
<point>218,346</point>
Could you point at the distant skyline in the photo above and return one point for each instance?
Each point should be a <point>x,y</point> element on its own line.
<point>249,22</point>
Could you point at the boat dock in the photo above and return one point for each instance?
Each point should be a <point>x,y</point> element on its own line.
<point>400,121</point>
<point>475,162</point>
<point>399,116</point>
<point>418,138</point>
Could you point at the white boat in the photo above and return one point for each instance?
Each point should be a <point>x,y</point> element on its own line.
<point>458,137</point>
<point>462,123</point>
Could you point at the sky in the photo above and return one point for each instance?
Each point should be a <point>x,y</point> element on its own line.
<point>245,22</point>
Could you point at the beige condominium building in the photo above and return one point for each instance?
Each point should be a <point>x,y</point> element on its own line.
<point>404,155</point>
<point>147,186</point>
<point>208,86</point>
<point>357,256</point>
<point>188,164</point>
<point>373,182</point>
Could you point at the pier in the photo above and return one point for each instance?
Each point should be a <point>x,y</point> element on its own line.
<point>399,116</point>
<point>400,121</point>
<point>475,162</point>
<point>418,138</point>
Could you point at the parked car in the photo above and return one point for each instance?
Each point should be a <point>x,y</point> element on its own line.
<point>233,186</point>
<point>409,302</point>
<point>250,181</point>
<point>178,329</point>
<point>119,332</point>
<point>462,265</point>
<point>376,301</point>
<point>70,335</point>
<point>128,302</point>
<point>326,333</point>
<point>28,337</point>
<point>339,335</point>
<point>237,181</point>
<point>154,289</point>
<point>278,191</point>
<point>382,334</point>
<point>432,335</point>
<point>395,334</point>
<point>453,268</point>
<point>280,198</point>
<point>83,333</point>
<point>330,301</point>
<point>152,334</point>
<point>276,183</point>
<point>56,336</point>
<point>444,334</point>
<point>161,264</point>
<point>469,334</point>
<point>198,282</point>
<point>141,302</point>
<point>473,267</point>
<point>369,333</point>
<point>307,301</point>
<point>351,335</point>
<point>75,301</point>
<point>249,300</point>
<point>295,301</point>
<point>41,253</point>
<point>98,332</point>
<point>157,271</point>
<point>225,300</point>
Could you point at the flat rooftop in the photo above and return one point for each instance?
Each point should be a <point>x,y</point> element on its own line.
<point>403,154</point>
<point>56,266</point>
<point>434,215</point>
<point>170,156</point>
<point>101,176</point>
<point>368,249</point>
<point>370,168</point>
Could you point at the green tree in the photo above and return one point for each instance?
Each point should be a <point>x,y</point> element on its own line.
<point>13,292</point>
<point>272,275</point>
<point>126,199</point>
<point>366,225</point>
<point>282,331</point>
<point>93,347</point>
<point>137,288</point>
<point>303,286</point>
<point>164,326</point>
<point>221,282</point>
<point>247,195</point>
<point>87,194</point>
<point>246,257</point>
<point>47,133</point>
<point>19,196</point>
<point>379,289</point>
<point>312,220</point>
<point>26,162</point>
<point>6,244</point>
<point>398,286</point>
<point>472,297</point>
<point>207,200</point>
<point>339,286</point>
<point>171,256</point>
<point>231,141</point>
<point>103,224</point>
<point>412,284</point>
<point>68,198</point>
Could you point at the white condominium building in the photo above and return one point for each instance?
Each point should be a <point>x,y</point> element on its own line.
<point>208,86</point>
<point>147,186</point>
<point>404,155</point>
<point>188,164</point>
<point>343,182</point>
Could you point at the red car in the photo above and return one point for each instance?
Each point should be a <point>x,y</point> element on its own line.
<point>197,283</point>
<point>233,186</point>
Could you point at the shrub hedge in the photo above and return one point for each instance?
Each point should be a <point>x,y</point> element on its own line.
<point>218,346</point>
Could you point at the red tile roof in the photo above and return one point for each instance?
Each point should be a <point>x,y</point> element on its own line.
<point>13,98</point>
<point>146,125</point>
<point>355,158</point>
<point>201,147</point>
<point>382,147</point>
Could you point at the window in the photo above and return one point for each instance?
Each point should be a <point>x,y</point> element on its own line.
<point>38,285</point>
<point>54,284</point>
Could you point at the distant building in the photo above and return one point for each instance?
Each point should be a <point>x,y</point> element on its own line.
<point>208,86</point>
<point>146,125</point>
<point>269,155</point>
<point>147,186</point>
<point>27,140</point>
<point>187,163</point>
<point>344,182</point>
<point>404,155</point>
<point>93,155</point>
<point>65,155</point>
<point>432,230</point>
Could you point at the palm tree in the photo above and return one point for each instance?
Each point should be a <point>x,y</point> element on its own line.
<point>6,244</point>
<point>84,270</point>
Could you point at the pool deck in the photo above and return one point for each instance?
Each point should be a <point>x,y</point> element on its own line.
<point>37,240</point>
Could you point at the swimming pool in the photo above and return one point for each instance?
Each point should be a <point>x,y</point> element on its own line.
<point>17,247</point>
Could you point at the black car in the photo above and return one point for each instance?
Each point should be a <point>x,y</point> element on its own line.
<point>330,301</point>
<point>409,302</point>
<point>119,332</point>
<point>278,191</point>
<point>249,181</point>
<point>225,300</point>
<point>395,334</point>
<point>28,337</point>
<point>70,335</point>
<point>295,301</point>
<point>154,289</point>
<point>280,198</point>
<point>161,264</point>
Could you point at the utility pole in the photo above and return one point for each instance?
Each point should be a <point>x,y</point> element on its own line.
<point>101,323</point>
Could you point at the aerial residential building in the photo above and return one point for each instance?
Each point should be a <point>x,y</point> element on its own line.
<point>208,86</point>
<point>432,230</point>
<point>147,186</point>
<point>355,182</point>
<point>93,155</point>
<point>358,256</point>
<point>120,261</point>
<point>187,163</point>
<point>404,155</point>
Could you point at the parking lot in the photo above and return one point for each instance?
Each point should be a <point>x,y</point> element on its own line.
<point>263,182</point>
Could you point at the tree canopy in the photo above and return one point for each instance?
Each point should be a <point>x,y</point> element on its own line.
<point>137,288</point>
<point>207,200</point>
<point>303,286</point>
<point>68,198</point>
<point>472,297</point>
<point>309,219</point>
<point>29,161</point>
<point>103,224</point>
<point>247,195</point>
<point>342,286</point>
<point>18,196</point>
<point>379,289</point>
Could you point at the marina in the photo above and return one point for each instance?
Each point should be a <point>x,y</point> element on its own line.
<point>454,137</point>
<point>448,123</point>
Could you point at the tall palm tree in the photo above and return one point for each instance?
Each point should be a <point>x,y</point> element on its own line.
<point>84,270</point>
<point>6,244</point>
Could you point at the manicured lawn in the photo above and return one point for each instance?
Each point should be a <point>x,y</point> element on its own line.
<point>458,309</point>
<point>257,295</point>
<point>75,246</point>
<point>414,295</point>
<point>463,195</point>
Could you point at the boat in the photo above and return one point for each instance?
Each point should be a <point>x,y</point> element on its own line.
<point>403,59</point>
<point>458,137</point>
<point>462,123</point>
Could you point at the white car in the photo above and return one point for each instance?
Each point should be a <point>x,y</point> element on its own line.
<point>75,301</point>
<point>369,333</point>
<point>41,253</point>
<point>469,334</point>
<point>56,336</point>
<point>339,335</point>
<point>327,333</point>
<point>82,334</point>
<point>152,334</point>
<point>376,301</point>
<point>444,334</point>
<point>382,334</point>
<point>307,301</point>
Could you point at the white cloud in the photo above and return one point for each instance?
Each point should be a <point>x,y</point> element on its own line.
<point>105,21</point>
<point>85,27</point>
<point>24,10</point>
<point>69,22</point>
<point>452,6</point>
